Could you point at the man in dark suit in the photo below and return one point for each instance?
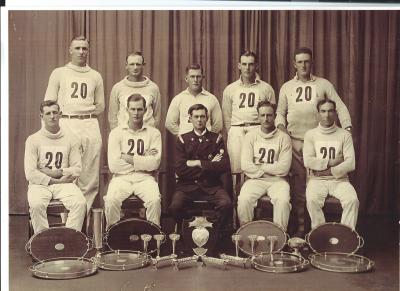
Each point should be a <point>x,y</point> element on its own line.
<point>200,160</point>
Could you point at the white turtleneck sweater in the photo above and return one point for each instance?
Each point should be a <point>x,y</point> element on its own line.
<point>297,105</point>
<point>117,114</point>
<point>266,156</point>
<point>78,90</point>
<point>329,147</point>
<point>54,151</point>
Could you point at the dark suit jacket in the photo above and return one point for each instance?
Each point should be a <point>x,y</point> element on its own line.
<point>190,146</point>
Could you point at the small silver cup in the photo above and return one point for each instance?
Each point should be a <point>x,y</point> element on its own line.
<point>145,238</point>
<point>236,238</point>
<point>158,238</point>
<point>174,237</point>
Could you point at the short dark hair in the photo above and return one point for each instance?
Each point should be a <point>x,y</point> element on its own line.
<point>197,107</point>
<point>136,97</point>
<point>265,103</point>
<point>194,66</point>
<point>302,50</point>
<point>48,103</point>
<point>248,53</point>
<point>79,37</point>
<point>136,53</point>
<point>325,100</point>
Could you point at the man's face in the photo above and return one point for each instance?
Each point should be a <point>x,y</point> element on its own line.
<point>79,51</point>
<point>136,111</point>
<point>134,66</point>
<point>328,114</point>
<point>303,63</point>
<point>247,66</point>
<point>51,116</point>
<point>266,117</point>
<point>199,119</point>
<point>194,79</point>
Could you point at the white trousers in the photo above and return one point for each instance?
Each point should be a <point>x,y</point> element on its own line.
<point>234,145</point>
<point>316,192</point>
<point>87,132</point>
<point>254,189</point>
<point>69,194</point>
<point>121,187</point>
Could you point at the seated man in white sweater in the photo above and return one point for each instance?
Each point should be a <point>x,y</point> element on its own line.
<point>134,153</point>
<point>329,155</point>
<point>52,163</point>
<point>266,159</point>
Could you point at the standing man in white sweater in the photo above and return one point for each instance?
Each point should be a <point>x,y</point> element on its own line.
<point>297,113</point>
<point>239,104</point>
<point>134,82</point>
<point>78,89</point>
<point>177,120</point>
<point>266,158</point>
<point>134,153</point>
<point>52,163</point>
<point>329,153</point>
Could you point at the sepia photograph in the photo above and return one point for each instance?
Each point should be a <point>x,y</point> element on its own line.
<point>203,149</point>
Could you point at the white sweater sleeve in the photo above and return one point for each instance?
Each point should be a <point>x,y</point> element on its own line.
<point>150,163</point>
<point>172,118</point>
<point>32,174</point>
<point>248,166</point>
<point>281,166</point>
<point>53,86</point>
<point>282,108</point>
<point>349,163</point>
<point>74,160</point>
<point>115,163</point>
<point>309,155</point>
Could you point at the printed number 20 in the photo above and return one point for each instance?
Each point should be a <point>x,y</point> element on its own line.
<point>325,151</point>
<point>139,146</point>
<point>307,93</point>
<point>57,162</point>
<point>270,155</point>
<point>83,90</point>
<point>251,100</point>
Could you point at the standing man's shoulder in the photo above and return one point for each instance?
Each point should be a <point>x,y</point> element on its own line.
<point>231,86</point>
<point>265,84</point>
<point>283,135</point>
<point>289,83</point>
<point>118,85</point>
<point>153,85</point>
<point>153,131</point>
<point>31,139</point>
<point>311,132</point>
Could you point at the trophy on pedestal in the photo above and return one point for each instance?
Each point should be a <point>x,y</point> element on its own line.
<point>200,234</point>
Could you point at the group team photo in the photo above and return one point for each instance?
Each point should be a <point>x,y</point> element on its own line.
<point>239,139</point>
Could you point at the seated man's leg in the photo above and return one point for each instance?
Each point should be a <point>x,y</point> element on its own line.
<point>251,191</point>
<point>39,197</point>
<point>223,206</point>
<point>148,191</point>
<point>119,189</point>
<point>234,147</point>
<point>347,195</point>
<point>280,198</point>
<point>316,192</point>
<point>72,198</point>
<point>178,208</point>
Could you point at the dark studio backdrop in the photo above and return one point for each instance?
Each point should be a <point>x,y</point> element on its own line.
<point>358,51</point>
